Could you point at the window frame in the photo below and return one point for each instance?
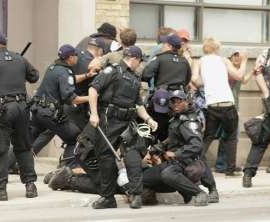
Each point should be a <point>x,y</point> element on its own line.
<point>200,5</point>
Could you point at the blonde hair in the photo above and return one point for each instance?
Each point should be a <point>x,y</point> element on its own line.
<point>210,45</point>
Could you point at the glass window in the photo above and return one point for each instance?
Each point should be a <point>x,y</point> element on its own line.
<point>3,16</point>
<point>145,20</point>
<point>178,17</point>
<point>238,2</point>
<point>234,25</point>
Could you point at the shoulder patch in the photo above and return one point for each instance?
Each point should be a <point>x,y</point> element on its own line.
<point>51,67</point>
<point>154,58</point>
<point>82,52</point>
<point>71,80</point>
<point>194,127</point>
<point>108,70</point>
<point>70,71</point>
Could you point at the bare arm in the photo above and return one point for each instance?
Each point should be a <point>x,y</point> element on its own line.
<point>93,98</point>
<point>142,113</point>
<point>81,77</point>
<point>236,74</point>
<point>196,78</point>
<point>80,99</point>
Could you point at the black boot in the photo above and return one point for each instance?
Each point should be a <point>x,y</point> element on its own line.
<point>104,202</point>
<point>136,202</point>
<point>31,190</point>
<point>3,192</point>
<point>61,180</point>
<point>247,181</point>
<point>213,196</point>
<point>201,199</point>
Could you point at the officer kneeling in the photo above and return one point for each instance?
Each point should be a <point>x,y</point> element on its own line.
<point>184,169</point>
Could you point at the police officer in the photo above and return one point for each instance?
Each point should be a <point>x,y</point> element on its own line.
<point>114,100</point>
<point>182,149</point>
<point>14,118</point>
<point>58,88</point>
<point>83,77</point>
<point>170,72</point>
<point>262,73</point>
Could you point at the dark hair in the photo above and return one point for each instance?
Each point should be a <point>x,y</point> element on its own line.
<point>128,37</point>
<point>108,29</point>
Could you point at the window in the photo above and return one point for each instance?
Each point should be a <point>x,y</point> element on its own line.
<point>3,16</point>
<point>222,19</point>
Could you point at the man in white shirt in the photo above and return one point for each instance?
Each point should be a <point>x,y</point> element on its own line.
<point>212,71</point>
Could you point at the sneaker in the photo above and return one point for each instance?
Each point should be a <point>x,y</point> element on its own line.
<point>201,199</point>
<point>48,176</point>
<point>136,202</point>
<point>31,190</point>
<point>247,181</point>
<point>104,202</point>
<point>213,196</point>
<point>61,180</point>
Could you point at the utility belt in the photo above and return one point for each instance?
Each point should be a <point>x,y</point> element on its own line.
<point>124,114</point>
<point>53,110</point>
<point>8,99</point>
<point>12,98</point>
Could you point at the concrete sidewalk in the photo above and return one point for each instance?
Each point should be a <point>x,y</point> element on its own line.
<point>227,186</point>
<point>237,204</point>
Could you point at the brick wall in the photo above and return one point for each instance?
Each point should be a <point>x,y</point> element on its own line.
<point>115,12</point>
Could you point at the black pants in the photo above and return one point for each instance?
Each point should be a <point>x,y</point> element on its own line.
<point>14,129</point>
<point>66,130</point>
<point>77,115</point>
<point>113,128</point>
<point>227,118</point>
<point>133,162</point>
<point>257,151</point>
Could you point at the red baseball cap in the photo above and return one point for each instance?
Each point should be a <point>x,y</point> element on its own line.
<point>183,34</point>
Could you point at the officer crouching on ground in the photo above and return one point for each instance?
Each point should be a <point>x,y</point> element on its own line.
<point>183,148</point>
<point>114,101</point>
<point>14,118</point>
<point>56,89</point>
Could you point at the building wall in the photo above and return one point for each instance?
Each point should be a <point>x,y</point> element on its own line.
<point>115,12</point>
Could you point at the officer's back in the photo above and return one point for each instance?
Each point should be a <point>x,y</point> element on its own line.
<point>15,71</point>
<point>168,68</point>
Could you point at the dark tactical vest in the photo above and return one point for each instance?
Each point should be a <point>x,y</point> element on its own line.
<point>176,139</point>
<point>12,73</point>
<point>126,89</point>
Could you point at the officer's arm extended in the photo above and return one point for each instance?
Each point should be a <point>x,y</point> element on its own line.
<point>190,132</point>
<point>67,90</point>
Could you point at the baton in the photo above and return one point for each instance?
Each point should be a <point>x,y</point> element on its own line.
<point>109,144</point>
<point>25,48</point>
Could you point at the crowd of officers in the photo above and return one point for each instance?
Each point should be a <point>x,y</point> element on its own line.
<point>106,94</point>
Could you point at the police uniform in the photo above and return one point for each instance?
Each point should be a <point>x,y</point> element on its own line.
<point>118,89</point>
<point>56,89</point>
<point>169,71</point>
<point>79,114</point>
<point>258,148</point>
<point>14,115</point>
